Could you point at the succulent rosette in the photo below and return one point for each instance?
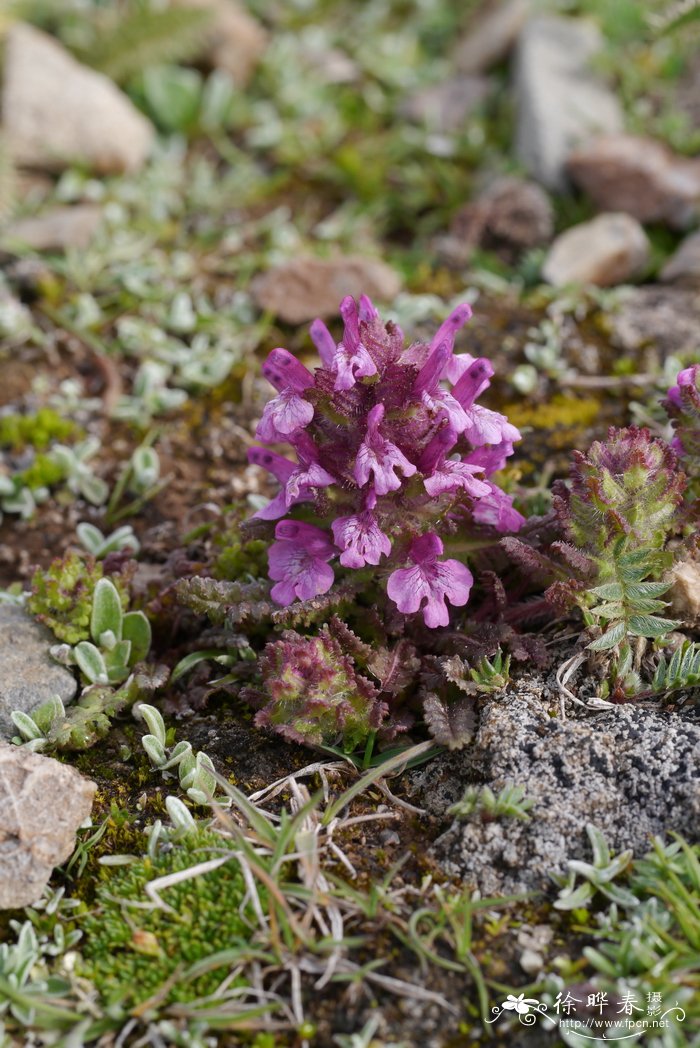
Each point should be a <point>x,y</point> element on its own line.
<point>393,459</point>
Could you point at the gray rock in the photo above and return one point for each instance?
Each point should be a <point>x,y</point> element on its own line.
<point>560,103</point>
<point>611,249</point>
<point>236,40</point>
<point>490,37</point>
<point>444,107</point>
<point>660,321</point>
<point>640,176</point>
<point>28,674</point>
<point>683,267</point>
<point>42,803</point>
<point>56,111</point>
<point>631,771</point>
<point>509,217</point>
<point>55,230</point>
<point>308,287</point>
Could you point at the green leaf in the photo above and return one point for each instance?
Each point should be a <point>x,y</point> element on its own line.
<point>106,611</point>
<point>610,591</point>
<point>192,660</point>
<point>173,95</point>
<point>26,725</point>
<point>50,711</point>
<point>90,661</point>
<point>137,629</point>
<point>610,610</point>
<point>650,626</point>
<point>609,639</point>
<point>154,721</point>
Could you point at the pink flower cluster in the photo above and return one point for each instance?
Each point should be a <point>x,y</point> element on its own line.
<point>392,455</point>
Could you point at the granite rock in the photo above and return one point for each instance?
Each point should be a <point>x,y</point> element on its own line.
<point>307,287</point>
<point>610,249</point>
<point>490,36</point>
<point>639,176</point>
<point>56,111</point>
<point>631,771</point>
<point>560,103</point>
<point>28,674</point>
<point>42,804</point>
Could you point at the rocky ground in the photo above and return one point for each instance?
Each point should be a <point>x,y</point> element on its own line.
<point>183,187</point>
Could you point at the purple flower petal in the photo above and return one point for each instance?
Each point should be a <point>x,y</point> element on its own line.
<point>282,416</point>
<point>284,372</point>
<point>490,458</point>
<point>323,341</point>
<point>430,583</point>
<point>497,510</point>
<point>298,562</point>
<point>377,458</point>
<point>455,367</point>
<point>445,334</point>
<point>351,365</point>
<point>361,539</point>
<point>473,381</point>
<point>488,427</point>
<point>455,475</point>
<point>304,479</point>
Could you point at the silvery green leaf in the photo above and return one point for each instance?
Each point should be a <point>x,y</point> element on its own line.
<point>609,639</point>
<point>146,468</point>
<point>107,640</point>
<point>26,726</point>
<point>46,715</point>
<point>154,750</point>
<point>179,754</point>
<point>91,537</point>
<point>180,815</point>
<point>137,629</point>
<point>197,796</point>
<point>106,610</point>
<point>94,489</point>
<point>574,900</point>
<point>92,665</point>
<point>153,719</point>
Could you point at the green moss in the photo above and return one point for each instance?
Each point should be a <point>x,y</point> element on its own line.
<point>240,559</point>
<point>61,596</point>
<point>37,430</point>
<point>43,473</point>
<point>132,951</point>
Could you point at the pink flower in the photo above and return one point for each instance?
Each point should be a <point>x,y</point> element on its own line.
<point>448,475</point>
<point>498,511</point>
<point>283,416</point>
<point>488,427</point>
<point>298,562</point>
<point>288,412</point>
<point>352,360</point>
<point>360,537</point>
<point>281,469</point>
<point>472,382</point>
<point>430,583</point>
<point>378,458</point>
<point>436,399</point>
<point>309,474</point>
<point>445,334</point>
<point>284,372</point>
<point>453,475</point>
<point>324,342</point>
<point>490,458</point>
